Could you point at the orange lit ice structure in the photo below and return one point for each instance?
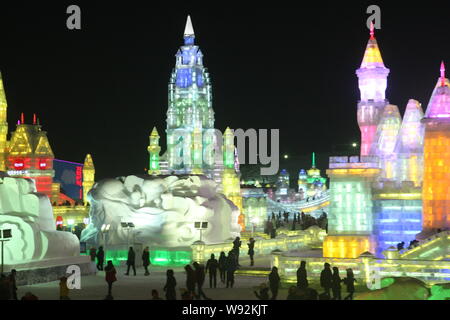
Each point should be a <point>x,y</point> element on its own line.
<point>436,182</point>
<point>30,156</point>
<point>350,217</point>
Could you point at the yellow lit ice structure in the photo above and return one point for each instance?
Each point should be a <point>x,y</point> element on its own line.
<point>350,220</point>
<point>436,180</point>
<point>153,150</point>
<point>88,177</point>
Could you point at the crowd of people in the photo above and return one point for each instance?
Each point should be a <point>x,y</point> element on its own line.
<point>225,266</point>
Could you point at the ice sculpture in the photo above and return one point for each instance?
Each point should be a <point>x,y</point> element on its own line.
<point>29,216</point>
<point>163,210</point>
<point>350,213</point>
<point>372,76</point>
<point>385,140</point>
<point>436,179</point>
<point>409,146</point>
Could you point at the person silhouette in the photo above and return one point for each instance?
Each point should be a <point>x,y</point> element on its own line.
<point>100,258</point>
<point>211,267</point>
<point>349,281</point>
<point>190,280</point>
<point>326,279</point>
<point>251,251</point>
<point>274,282</point>
<point>171,283</point>
<point>222,266</point>
<point>131,261</point>
<point>302,278</point>
<point>336,284</point>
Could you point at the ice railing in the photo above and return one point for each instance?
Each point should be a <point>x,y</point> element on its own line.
<point>297,206</point>
<point>354,162</point>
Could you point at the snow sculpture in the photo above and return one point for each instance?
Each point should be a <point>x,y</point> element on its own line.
<point>29,215</point>
<point>163,210</point>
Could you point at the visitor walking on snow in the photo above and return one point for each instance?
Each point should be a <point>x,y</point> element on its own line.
<point>349,281</point>
<point>110,276</point>
<point>200,280</point>
<point>274,282</point>
<point>131,261</point>
<point>169,288</point>
<point>222,266</point>
<point>190,280</point>
<point>231,269</point>
<point>100,258</point>
<point>236,247</point>
<point>251,251</point>
<point>302,278</point>
<point>146,260</point>
<point>211,267</point>
<point>336,284</point>
<point>326,279</point>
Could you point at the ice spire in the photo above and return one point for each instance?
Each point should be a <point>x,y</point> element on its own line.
<point>188,30</point>
<point>372,56</point>
<point>439,105</point>
<point>442,74</point>
<point>372,31</point>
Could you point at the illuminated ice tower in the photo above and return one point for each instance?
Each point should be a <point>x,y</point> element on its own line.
<point>153,150</point>
<point>190,116</point>
<point>436,179</point>
<point>3,126</point>
<point>372,79</point>
<point>88,177</point>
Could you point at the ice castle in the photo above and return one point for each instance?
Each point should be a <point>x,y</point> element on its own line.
<point>398,188</point>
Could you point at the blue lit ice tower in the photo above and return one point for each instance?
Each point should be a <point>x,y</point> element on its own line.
<point>190,116</point>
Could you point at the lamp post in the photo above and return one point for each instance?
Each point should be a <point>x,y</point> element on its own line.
<point>105,229</point>
<point>201,225</point>
<point>127,226</point>
<point>5,235</point>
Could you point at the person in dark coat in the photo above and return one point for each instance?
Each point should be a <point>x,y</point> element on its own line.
<point>349,281</point>
<point>231,268</point>
<point>302,278</point>
<point>236,247</point>
<point>171,283</point>
<point>146,260</point>
<point>251,250</point>
<point>336,284</point>
<point>131,261</point>
<point>190,280</point>
<point>155,295</point>
<point>200,280</point>
<point>326,278</point>
<point>110,276</point>
<point>211,267</point>
<point>100,258</point>
<point>222,266</point>
<point>274,282</point>
<point>13,284</point>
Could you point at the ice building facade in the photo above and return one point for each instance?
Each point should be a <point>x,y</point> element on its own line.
<point>398,186</point>
<point>310,182</point>
<point>194,146</point>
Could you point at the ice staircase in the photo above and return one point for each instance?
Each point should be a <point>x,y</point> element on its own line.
<point>435,247</point>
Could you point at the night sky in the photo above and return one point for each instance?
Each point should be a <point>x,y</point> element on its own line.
<point>101,90</point>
